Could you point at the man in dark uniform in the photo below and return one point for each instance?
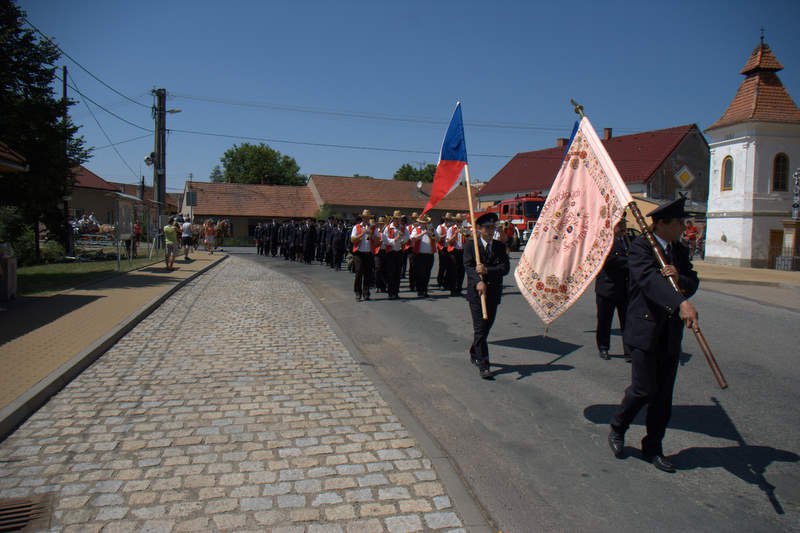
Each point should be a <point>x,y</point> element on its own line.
<point>486,278</point>
<point>611,290</point>
<point>656,316</point>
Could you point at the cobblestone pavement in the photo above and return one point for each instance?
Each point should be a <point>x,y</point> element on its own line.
<point>232,407</point>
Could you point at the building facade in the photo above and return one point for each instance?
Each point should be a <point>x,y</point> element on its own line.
<point>754,147</point>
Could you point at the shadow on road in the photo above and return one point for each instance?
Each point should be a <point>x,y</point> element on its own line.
<point>747,462</point>
<point>539,343</point>
<point>525,371</point>
<point>29,313</point>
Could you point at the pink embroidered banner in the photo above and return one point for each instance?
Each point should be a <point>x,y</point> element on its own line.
<point>575,229</point>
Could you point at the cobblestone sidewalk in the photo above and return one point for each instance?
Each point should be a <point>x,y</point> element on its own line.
<point>233,407</point>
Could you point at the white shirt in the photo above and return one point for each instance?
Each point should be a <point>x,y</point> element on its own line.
<point>186,229</point>
<point>453,231</point>
<point>394,244</point>
<point>364,245</point>
<point>425,242</point>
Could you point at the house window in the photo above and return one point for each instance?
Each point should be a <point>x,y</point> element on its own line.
<point>780,173</point>
<point>726,179</point>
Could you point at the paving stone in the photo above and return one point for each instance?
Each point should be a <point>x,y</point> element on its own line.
<point>404,524</point>
<point>234,426</point>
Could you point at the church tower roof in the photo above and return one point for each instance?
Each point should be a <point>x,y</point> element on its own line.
<point>761,96</point>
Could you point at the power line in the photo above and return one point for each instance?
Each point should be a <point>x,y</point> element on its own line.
<point>29,23</point>
<point>72,86</point>
<point>122,142</point>
<point>369,116</point>
<point>106,135</point>
<point>324,145</point>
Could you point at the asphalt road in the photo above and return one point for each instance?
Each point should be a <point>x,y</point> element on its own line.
<point>531,444</point>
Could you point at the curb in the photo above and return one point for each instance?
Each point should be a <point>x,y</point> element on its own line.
<point>15,413</point>
<point>474,516</point>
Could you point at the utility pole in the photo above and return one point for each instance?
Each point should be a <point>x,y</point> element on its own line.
<point>159,153</point>
<point>66,198</point>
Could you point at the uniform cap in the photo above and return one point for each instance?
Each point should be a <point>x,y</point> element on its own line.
<point>673,209</point>
<point>487,219</point>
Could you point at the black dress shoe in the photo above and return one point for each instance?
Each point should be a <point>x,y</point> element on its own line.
<point>604,355</point>
<point>661,462</point>
<point>486,372</point>
<point>358,297</point>
<point>474,360</point>
<point>616,441</point>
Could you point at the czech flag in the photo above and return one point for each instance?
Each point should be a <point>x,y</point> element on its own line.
<point>452,160</point>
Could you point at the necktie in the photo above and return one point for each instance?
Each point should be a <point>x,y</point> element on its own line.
<point>668,253</point>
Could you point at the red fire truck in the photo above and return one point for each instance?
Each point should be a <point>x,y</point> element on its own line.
<point>521,212</point>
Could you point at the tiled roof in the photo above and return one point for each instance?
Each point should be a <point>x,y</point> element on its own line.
<point>636,156</point>
<point>241,200</point>
<point>359,192</point>
<point>133,190</point>
<point>761,58</point>
<point>761,96</point>
<point>9,159</point>
<point>87,179</point>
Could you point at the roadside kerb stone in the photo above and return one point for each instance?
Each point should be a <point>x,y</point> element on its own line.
<point>233,406</point>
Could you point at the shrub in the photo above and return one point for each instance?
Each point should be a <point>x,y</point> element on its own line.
<point>52,252</point>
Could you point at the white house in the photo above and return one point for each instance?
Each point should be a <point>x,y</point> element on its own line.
<point>754,147</point>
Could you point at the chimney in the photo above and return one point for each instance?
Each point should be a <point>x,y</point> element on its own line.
<point>606,134</point>
<point>561,142</point>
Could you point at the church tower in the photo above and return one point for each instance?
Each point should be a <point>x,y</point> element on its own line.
<point>755,146</point>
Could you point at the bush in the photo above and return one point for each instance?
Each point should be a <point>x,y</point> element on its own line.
<point>52,252</point>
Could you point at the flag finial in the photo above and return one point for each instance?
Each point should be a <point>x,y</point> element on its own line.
<point>578,107</point>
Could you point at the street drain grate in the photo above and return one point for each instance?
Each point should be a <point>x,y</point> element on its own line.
<point>25,514</point>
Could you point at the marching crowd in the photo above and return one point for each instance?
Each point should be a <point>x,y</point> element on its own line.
<point>379,250</point>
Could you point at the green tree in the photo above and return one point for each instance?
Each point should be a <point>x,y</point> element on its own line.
<point>33,123</point>
<point>216,175</point>
<point>250,163</point>
<point>409,173</point>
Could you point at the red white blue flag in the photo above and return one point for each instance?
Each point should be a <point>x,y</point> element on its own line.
<point>452,160</point>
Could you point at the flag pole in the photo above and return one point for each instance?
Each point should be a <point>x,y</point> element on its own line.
<point>475,237</point>
<point>673,280</point>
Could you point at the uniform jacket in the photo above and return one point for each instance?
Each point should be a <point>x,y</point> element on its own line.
<point>496,263</point>
<point>653,322</point>
<point>612,280</point>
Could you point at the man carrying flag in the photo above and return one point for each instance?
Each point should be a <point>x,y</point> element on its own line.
<point>485,265</point>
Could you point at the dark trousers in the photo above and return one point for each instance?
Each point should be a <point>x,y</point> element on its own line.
<point>423,263</point>
<point>337,259</point>
<point>412,275</point>
<point>380,271</point>
<point>364,265</point>
<point>444,265</point>
<point>652,382</point>
<point>480,327</point>
<point>455,271</point>
<point>605,316</point>
<point>392,266</point>
<point>404,263</point>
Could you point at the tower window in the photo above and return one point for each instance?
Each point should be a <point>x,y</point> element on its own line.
<point>780,173</point>
<point>726,179</point>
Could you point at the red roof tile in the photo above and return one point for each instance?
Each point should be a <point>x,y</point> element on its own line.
<point>372,192</point>
<point>11,160</point>
<point>87,179</point>
<point>133,190</point>
<point>636,156</point>
<point>761,96</point>
<point>761,58</point>
<point>239,200</point>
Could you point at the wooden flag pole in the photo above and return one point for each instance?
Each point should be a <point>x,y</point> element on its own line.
<point>673,280</point>
<point>475,238</point>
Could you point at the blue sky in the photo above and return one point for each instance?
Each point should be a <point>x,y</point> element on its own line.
<point>387,75</point>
